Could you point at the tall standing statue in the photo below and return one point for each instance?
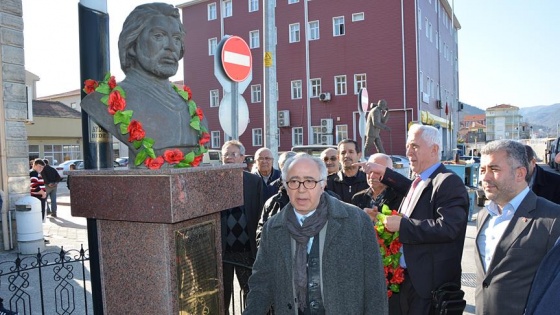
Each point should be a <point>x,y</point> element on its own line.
<point>159,122</point>
<point>375,122</point>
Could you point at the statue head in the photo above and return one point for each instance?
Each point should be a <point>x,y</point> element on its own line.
<point>382,104</point>
<point>152,40</point>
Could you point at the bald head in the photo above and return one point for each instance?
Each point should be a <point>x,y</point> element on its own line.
<point>382,159</point>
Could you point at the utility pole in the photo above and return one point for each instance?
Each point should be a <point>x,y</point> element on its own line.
<point>269,88</point>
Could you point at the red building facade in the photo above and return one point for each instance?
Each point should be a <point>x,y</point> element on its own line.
<point>326,50</point>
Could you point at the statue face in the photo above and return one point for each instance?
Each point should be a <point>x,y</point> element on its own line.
<point>158,48</point>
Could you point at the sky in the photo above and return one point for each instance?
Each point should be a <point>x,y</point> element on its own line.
<point>508,50</point>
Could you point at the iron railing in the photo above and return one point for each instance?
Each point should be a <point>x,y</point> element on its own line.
<point>47,283</point>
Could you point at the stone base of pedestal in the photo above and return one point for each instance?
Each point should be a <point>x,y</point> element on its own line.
<point>159,235</point>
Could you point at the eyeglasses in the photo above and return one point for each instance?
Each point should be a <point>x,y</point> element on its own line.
<point>232,154</point>
<point>308,183</point>
<point>265,159</point>
<point>332,158</point>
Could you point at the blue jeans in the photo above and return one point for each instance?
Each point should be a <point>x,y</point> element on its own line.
<point>51,192</point>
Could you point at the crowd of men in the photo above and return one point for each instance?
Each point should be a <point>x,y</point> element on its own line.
<point>307,231</point>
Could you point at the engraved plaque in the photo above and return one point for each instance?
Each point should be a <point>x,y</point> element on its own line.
<point>197,270</point>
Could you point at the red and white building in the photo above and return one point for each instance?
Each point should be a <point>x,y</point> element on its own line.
<point>403,51</point>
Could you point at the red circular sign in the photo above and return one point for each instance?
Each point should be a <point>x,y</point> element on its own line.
<point>236,59</point>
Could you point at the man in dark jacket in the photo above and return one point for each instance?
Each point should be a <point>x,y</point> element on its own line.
<point>51,178</point>
<point>542,183</point>
<point>350,180</point>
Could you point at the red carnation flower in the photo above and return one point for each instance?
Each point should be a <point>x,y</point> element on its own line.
<point>116,102</point>
<point>199,113</point>
<point>197,160</point>
<point>188,90</point>
<point>205,138</point>
<point>173,156</point>
<point>90,86</point>
<point>135,131</point>
<point>154,164</point>
<point>112,82</point>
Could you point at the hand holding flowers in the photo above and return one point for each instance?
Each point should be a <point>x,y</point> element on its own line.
<point>389,246</point>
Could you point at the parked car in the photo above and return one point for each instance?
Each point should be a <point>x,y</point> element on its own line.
<point>469,158</point>
<point>65,166</point>
<point>122,161</point>
<point>312,149</point>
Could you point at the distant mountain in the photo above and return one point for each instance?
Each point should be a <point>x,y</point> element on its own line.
<point>472,110</point>
<point>544,117</point>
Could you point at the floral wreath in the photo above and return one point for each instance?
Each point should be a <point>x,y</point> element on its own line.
<point>115,99</point>
<point>389,246</point>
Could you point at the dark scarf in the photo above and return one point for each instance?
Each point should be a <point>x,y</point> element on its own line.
<point>301,234</point>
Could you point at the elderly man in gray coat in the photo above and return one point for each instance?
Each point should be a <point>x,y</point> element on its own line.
<point>318,255</point>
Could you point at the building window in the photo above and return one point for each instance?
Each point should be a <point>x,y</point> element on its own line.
<point>421,82</point>
<point>356,17</point>
<point>359,82</point>
<point>314,30</point>
<point>256,93</point>
<point>317,132</point>
<point>214,98</point>
<point>338,26</point>
<point>340,85</point>
<point>433,88</point>
<point>426,26</point>
<point>292,1</point>
<point>315,86</point>
<point>437,40</point>
<point>419,18</point>
<point>431,32</point>
<point>341,133</point>
<point>212,44</point>
<point>296,89</point>
<point>34,152</point>
<point>428,86</point>
<point>216,139</point>
<point>257,137</point>
<point>294,33</point>
<point>253,5</point>
<point>297,136</point>
<point>228,8</point>
<point>254,39</point>
<point>212,12</point>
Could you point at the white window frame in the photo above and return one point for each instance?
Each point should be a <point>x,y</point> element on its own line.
<point>314,87</point>
<point>292,1</point>
<point>297,136</point>
<point>431,32</point>
<point>295,32</point>
<point>256,93</point>
<point>212,11</point>
<point>357,17</point>
<point>341,133</point>
<point>257,137</point>
<point>314,30</point>
<point>253,5</point>
<point>426,23</point>
<point>214,98</point>
<point>360,81</point>
<point>316,133</point>
<point>254,39</point>
<point>419,19</point>
<point>341,85</point>
<point>338,26</point>
<point>215,136</point>
<point>212,46</point>
<point>228,8</point>
<point>428,85</point>
<point>297,89</point>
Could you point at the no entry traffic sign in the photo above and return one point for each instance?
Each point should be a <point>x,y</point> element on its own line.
<point>236,59</point>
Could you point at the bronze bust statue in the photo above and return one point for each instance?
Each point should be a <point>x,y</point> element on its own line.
<point>151,44</point>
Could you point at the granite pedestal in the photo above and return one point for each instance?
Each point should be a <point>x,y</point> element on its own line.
<point>159,235</point>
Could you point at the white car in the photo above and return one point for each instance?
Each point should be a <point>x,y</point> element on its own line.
<point>65,166</point>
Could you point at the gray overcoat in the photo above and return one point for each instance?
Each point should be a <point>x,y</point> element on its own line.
<point>353,281</point>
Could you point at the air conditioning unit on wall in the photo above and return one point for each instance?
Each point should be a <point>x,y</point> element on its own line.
<point>326,125</point>
<point>327,139</point>
<point>283,118</point>
<point>325,97</point>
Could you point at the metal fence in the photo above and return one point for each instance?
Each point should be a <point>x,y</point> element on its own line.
<point>47,283</point>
